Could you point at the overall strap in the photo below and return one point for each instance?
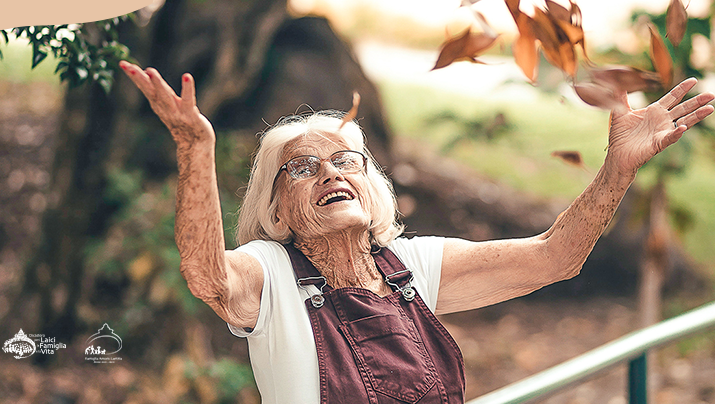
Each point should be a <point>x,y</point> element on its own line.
<point>302,267</point>
<point>307,277</point>
<point>394,271</point>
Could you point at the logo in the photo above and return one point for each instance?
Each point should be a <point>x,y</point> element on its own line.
<point>20,345</point>
<point>25,345</point>
<point>102,345</point>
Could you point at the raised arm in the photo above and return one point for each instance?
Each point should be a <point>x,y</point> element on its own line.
<point>229,282</point>
<point>477,274</point>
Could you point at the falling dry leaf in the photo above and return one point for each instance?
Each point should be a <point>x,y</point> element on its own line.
<point>597,95</point>
<point>524,48</point>
<point>676,20</point>
<point>525,51</point>
<point>353,111</point>
<point>464,47</point>
<point>571,157</point>
<point>558,11</point>
<point>626,78</point>
<point>569,20</point>
<point>513,6</point>
<point>660,57</point>
<point>555,43</point>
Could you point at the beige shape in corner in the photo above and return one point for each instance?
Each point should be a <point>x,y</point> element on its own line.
<point>53,12</point>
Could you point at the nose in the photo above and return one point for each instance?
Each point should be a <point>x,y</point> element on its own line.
<point>328,172</point>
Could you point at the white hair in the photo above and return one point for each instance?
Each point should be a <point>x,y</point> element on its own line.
<point>257,218</point>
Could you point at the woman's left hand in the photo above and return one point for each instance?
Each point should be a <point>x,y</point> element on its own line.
<point>635,136</point>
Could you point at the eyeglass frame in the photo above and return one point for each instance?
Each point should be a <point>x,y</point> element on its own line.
<point>284,167</point>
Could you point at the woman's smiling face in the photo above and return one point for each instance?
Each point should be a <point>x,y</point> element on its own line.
<point>330,201</point>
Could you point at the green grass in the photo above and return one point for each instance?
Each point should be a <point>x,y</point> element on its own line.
<point>522,158</point>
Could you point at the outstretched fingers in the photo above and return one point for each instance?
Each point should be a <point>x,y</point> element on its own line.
<point>694,117</point>
<point>675,95</point>
<point>691,105</point>
<point>138,77</point>
<point>163,93</point>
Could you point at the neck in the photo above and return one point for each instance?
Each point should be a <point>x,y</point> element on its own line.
<point>343,258</point>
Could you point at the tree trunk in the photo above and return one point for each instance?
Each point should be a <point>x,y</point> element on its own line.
<point>656,262</point>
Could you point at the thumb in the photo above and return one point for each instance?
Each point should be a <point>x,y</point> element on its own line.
<point>622,107</point>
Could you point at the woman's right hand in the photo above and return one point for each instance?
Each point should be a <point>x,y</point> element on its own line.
<point>180,114</point>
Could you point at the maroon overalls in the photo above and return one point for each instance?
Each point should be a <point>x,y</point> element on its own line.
<point>378,350</point>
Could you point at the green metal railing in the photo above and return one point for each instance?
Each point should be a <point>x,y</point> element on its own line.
<point>632,348</point>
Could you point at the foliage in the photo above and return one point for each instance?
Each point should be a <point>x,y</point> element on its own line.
<point>86,52</point>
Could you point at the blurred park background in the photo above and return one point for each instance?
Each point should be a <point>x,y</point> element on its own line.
<point>88,180</point>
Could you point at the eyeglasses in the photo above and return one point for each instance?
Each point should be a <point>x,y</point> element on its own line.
<point>345,161</point>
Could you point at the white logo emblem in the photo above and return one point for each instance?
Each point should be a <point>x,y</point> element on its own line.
<point>20,345</point>
<point>102,345</point>
<point>24,345</point>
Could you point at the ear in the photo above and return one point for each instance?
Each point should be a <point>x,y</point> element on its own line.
<point>280,225</point>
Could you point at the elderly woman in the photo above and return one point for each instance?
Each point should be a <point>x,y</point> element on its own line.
<point>335,305</point>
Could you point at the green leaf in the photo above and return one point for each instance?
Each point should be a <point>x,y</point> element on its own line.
<point>38,56</point>
<point>61,66</point>
<point>106,84</point>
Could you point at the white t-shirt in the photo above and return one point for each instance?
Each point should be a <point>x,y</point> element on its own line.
<point>281,346</point>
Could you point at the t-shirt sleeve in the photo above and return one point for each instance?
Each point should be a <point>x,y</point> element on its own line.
<point>422,256</point>
<point>269,255</point>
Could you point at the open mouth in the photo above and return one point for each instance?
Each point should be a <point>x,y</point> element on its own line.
<point>336,196</point>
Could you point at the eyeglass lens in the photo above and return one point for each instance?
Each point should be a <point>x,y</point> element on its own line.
<point>308,166</point>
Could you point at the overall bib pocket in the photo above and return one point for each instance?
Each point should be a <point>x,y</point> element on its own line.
<point>394,357</point>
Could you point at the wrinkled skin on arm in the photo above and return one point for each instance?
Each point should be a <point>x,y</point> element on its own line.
<point>229,282</point>
<point>477,274</point>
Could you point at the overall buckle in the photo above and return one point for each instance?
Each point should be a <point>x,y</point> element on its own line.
<point>408,292</point>
<point>317,299</point>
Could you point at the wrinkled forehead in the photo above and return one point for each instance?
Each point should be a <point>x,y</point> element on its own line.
<point>317,144</point>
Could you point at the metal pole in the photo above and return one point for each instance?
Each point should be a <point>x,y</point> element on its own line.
<point>638,380</point>
<point>621,350</point>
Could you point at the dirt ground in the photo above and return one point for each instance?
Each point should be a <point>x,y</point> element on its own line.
<point>501,344</point>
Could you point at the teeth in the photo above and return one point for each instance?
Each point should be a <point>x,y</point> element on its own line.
<point>327,197</point>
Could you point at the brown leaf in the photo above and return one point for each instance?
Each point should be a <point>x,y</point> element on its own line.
<point>558,11</point>
<point>626,78</point>
<point>513,6</point>
<point>524,48</point>
<point>353,111</point>
<point>676,21</point>
<point>660,57</point>
<point>597,95</point>
<point>576,16</point>
<point>465,47</point>
<point>555,43</point>
<point>570,157</point>
<point>569,20</point>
